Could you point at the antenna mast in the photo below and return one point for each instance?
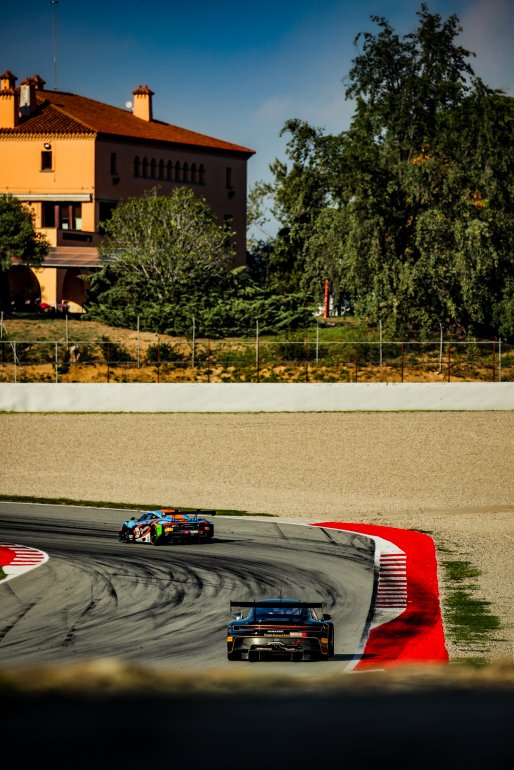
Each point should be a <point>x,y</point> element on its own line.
<point>54,3</point>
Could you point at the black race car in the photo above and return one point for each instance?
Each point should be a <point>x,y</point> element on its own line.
<point>280,628</point>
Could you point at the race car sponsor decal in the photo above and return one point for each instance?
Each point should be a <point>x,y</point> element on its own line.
<point>405,623</point>
<point>16,559</point>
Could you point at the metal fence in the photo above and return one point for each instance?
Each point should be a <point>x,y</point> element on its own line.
<point>307,360</point>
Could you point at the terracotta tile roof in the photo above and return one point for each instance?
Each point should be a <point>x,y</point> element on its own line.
<point>61,112</point>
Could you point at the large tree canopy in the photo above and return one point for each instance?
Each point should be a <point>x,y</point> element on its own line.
<point>411,211</point>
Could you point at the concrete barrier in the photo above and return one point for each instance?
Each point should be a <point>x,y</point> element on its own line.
<point>253,397</point>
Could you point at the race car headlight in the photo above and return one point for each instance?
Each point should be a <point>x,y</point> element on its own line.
<point>324,640</point>
<point>230,638</point>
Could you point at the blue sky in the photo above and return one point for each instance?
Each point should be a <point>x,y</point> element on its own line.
<point>234,70</point>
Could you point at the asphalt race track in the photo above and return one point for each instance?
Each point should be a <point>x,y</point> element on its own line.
<point>169,605</point>
<point>96,597</point>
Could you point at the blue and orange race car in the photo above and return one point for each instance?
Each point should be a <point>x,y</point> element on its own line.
<point>167,525</point>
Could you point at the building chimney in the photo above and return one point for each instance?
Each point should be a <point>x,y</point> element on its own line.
<point>27,97</point>
<point>143,103</point>
<point>8,105</point>
<point>39,83</point>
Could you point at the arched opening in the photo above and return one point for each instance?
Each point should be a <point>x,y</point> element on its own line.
<point>161,169</point>
<point>178,172</point>
<point>145,167</point>
<point>137,166</point>
<point>169,171</point>
<point>185,173</point>
<point>74,290</point>
<point>194,173</point>
<point>153,168</point>
<point>201,174</point>
<point>24,288</point>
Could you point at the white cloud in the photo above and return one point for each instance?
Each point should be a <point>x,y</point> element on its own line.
<point>276,108</point>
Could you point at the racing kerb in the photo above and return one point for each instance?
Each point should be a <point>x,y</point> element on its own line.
<point>405,623</point>
<point>17,559</point>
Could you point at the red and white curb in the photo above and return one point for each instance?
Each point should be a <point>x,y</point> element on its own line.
<point>405,623</point>
<point>16,559</point>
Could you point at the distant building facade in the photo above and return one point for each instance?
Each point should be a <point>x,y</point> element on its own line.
<point>72,159</point>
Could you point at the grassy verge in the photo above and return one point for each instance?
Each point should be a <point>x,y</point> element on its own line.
<point>121,506</point>
<point>469,622</point>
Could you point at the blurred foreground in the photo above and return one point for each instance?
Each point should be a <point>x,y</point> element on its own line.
<point>109,713</point>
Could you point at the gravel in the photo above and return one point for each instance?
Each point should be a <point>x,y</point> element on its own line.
<point>448,473</point>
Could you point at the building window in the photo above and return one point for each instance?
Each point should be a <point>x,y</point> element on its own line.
<point>169,171</point>
<point>66,216</point>
<point>178,172</point>
<point>114,162</point>
<point>161,169</point>
<point>105,209</point>
<point>137,166</point>
<point>194,174</point>
<point>70,216</point>
<point>201,174</point>
<point>145,167</point>
<point>153,168</point>
<point>46,160</point>
<point>48,214</point>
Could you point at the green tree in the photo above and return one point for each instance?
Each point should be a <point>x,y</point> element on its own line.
<point>165,247</point>
<point>19,242</point>
<point>411,210</point>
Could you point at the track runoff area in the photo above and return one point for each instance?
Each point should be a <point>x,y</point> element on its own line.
<point>404,622</point>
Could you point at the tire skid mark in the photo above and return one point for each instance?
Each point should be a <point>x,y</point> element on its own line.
<point>4,631</point>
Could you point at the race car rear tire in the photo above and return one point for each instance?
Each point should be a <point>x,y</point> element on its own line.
<point>233,656</point>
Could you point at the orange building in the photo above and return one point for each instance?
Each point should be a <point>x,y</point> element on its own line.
<point>72,159</point>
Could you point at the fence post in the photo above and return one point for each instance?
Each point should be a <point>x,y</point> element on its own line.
<point>317,343</point>
<point>440,349</point>
<point>56,363</point>
<point>494,362</point>
<point>257,359</point>
<point>108,361</point>
<point>15,360</point>
<point>138,344</point>
<point>307,360</point>
<point>449,362</point>
<point>356,363</point>
<point>499,359</point>
<point>208,360</point>
<point>193,345</point>
<point>380,323</point>
<point>403,358</point>
<point>158,358</point>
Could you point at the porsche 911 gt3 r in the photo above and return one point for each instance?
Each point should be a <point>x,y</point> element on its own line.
<point>167,525</point>
<point>280,628</point>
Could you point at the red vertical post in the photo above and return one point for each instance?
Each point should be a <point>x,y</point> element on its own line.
<point>326,300</point>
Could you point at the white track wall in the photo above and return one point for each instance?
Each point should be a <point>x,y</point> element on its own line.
<point>250,397</point>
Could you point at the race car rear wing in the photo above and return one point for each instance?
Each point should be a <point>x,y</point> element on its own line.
<point>286,603</point>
